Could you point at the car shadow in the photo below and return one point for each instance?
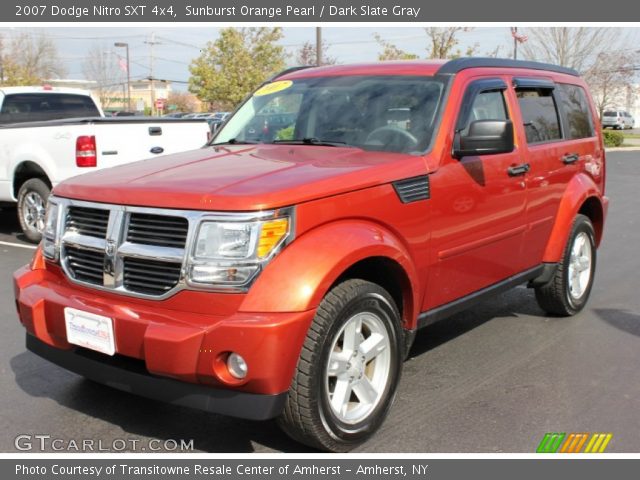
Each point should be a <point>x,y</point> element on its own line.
<point>9,224</point>
<point>621,319</point>
<point>144,418</point>
<point>513,303</point>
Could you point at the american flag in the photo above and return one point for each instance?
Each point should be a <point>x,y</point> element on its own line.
<point>520,38</point>
<point>122,63</point>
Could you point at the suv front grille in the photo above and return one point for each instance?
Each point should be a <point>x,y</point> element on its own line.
<point>159,230</point>
<point>88,221</point>
<point>150,277</point>
<point>85,265</point>
<point>138,251</point>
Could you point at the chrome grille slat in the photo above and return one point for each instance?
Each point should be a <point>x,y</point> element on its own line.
<point>87,221</point>
<point>85,265</point>
<point>157,230</point>
<point>150,276</point>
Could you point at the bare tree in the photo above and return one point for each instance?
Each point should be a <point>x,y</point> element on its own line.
<point>573,47</point>
<point>28,59</point>
<point>103,66</point>
<point>610,77</point>
<point>306,55</point>
<point>183,101</point>
<point>444,42</point>
<point>391,51</point>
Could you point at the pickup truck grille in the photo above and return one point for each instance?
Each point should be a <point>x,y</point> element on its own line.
<point>131,250</point>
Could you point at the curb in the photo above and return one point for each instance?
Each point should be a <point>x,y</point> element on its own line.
<point>632,148</point>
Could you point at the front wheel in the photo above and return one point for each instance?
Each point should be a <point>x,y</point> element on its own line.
<point>568,291</point>
<point>348,369</point>
<point>32,206</point>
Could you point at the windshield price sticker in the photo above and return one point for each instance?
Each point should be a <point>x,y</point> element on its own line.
<point>273,88</point>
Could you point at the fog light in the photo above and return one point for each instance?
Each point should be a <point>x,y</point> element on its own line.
<point>237,366</point>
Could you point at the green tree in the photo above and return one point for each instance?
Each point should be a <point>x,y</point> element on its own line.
<point>237,62</point>
<point>391,51</point>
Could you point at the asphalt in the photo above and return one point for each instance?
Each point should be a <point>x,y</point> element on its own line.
<point>492,379</point>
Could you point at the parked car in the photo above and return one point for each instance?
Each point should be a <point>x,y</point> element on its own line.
<point>618,119</point>
<point>44,142</point>
<point>286,275</point>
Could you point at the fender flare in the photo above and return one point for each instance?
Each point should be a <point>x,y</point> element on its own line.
<point>301,275</point>
<point>580,189</point>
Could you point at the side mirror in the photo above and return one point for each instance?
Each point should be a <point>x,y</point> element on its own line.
<point>485,137</point>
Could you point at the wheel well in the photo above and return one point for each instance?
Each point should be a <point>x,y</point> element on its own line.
<point>389,275</point>
<point>26,171</point>
<point>592,208</point>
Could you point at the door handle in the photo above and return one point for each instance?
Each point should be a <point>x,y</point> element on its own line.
<point>518,169</point>
<point>570,158</point>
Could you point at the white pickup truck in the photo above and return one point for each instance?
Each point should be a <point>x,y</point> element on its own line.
<point>50,134</point>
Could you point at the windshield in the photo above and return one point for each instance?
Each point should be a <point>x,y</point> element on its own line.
<point>386,113</point>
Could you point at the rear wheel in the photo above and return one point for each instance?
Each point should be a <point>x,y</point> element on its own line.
<point>568,291</point>
<point>348,369</point>
<point>32,206</point>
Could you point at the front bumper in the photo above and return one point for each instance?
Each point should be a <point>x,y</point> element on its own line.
<point>131,376</point>
<point>177,345</point>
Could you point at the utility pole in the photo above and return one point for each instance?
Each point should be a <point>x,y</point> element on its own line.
<point>515,43</point>
<point>318,46</point>
<point>151,43</point>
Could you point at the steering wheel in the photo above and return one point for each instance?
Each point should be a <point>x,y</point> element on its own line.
<point>384,134</point>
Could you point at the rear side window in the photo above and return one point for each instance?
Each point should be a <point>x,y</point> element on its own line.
<point>539,114</point>
<point>33,107</point>
<point>610,114</point>
<point>575,106</point>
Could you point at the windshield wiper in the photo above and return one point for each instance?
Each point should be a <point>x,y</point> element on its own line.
<point>235,141</point>
<point>313,141</point>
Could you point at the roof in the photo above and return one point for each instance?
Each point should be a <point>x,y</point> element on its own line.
<point>42,89</point>
<point>419,67</point>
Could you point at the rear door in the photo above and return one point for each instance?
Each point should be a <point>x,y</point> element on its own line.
<point>560,137</point>
<point>478,206</point>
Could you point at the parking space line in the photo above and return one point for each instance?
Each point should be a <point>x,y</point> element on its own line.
<point>19,245</point>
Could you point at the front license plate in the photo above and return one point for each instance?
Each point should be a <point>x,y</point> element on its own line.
<point>89,330</point>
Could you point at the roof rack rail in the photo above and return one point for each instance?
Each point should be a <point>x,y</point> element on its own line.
<point>454,66</point>
<point>287,71</point>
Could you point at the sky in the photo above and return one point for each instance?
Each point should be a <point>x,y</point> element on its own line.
<point>179,45</point>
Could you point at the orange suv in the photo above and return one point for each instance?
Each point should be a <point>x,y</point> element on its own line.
<point>284,269</point>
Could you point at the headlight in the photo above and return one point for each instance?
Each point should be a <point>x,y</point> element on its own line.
<point>50,232</point>
<point>230,253</point>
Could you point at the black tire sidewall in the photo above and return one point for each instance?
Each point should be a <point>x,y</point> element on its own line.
<point>33,185</point>
<point>582,225</point>
<point>354,433</point>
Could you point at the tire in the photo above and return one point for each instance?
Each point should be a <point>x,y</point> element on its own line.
<point>32,203</point>
<point>311,415</point>
<point>568,290</point>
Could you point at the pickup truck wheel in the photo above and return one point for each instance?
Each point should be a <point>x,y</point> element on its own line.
<point>568,291</point>
<point>348,369</point>
<point>32,206</point>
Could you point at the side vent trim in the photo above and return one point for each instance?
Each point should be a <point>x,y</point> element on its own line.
<point>413,189</point>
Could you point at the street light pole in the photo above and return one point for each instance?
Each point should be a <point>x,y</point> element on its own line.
<point>126,45</point>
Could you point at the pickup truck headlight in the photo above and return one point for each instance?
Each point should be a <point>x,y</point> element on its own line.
<point>50,232</point>
<point>229,253</point>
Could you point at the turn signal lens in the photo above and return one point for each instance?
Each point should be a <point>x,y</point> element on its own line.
<point>272,232</point>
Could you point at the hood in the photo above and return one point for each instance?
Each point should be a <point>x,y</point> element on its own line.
<point>241,177</point>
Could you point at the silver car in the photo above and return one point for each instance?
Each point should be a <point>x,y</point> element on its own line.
<point>618,119</point>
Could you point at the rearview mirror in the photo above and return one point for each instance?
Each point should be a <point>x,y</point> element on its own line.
<point>484,137</point>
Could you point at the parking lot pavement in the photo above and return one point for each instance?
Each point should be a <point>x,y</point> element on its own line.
<point>492,379</point>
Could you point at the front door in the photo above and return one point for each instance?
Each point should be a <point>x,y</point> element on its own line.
<point>478,206</point>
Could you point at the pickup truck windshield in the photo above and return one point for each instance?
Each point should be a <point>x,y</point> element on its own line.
<point>386,113</point>
<point>35,107</point>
